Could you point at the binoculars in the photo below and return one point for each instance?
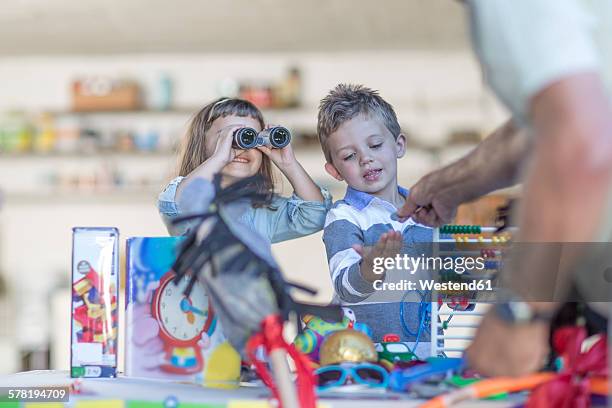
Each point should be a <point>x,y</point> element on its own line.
<point>275,137</point>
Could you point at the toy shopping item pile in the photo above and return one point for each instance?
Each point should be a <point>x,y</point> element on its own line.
<point>189,298</point>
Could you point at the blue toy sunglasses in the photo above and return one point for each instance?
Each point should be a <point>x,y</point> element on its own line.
<point>337,375</point>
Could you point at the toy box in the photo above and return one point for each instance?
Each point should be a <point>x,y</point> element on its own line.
<point>170,335</point>
<point>95,281</point>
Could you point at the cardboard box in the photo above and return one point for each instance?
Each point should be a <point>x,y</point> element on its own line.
<point>95,309</point>
<point>105,95</point>
<point>169,334</point>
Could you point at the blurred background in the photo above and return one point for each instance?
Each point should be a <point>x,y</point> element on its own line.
<point>96,95</point>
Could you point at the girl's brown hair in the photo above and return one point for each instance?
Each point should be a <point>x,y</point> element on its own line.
<point>193,151</point>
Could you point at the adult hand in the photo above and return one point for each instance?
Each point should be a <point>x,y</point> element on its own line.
<point>502,349</point>
<point>429,203</point>
<point>388,245</point>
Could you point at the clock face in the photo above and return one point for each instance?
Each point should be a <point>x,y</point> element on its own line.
<point>182,318</point>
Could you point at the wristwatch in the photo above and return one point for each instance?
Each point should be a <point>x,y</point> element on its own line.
<point>519,312</point>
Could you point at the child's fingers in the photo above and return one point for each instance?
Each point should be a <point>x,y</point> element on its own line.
<point>393,244</point>
<point>384,243</point>
<point>229,130</point>
<point>287,148</point>
<point>395,239</point>
<point>265,150</point>
<point>227,138</point>
<point>378,250</point>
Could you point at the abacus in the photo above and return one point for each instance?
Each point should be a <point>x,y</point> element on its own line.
<point>455,318</point>
<point>465,233</point>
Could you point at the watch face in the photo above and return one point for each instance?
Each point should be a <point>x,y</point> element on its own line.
<point>182,318</point>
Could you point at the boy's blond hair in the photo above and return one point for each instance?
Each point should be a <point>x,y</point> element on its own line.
<point>346,101</point>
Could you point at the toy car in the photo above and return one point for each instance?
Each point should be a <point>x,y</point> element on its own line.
<point>391,352</point>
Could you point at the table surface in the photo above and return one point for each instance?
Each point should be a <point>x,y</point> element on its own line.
<point>141,389</point>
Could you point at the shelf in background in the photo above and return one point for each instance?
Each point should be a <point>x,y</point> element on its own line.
<point>104,154</point>
<point>172,111</point>
<point>303,120</point>
<point>119,196</point>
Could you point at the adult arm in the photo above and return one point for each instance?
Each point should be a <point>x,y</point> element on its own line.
<point>549,79</point>
<point>495,163</point>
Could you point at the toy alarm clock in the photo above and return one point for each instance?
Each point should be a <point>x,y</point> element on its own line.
<point>182,320</point>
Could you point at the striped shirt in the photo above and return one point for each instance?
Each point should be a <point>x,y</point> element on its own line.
<point>361,219</point>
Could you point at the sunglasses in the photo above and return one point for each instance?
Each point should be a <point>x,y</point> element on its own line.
<point>334,375</point>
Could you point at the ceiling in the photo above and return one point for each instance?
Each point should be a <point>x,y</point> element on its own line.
<point>35,27</point>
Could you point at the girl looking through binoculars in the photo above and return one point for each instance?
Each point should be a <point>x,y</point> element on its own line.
<point>216,142</point>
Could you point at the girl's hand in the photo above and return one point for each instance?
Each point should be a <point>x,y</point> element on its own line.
<point>221,156</point>
<point>224,153</point>
<point>301,182</point>
<point>283,158</point>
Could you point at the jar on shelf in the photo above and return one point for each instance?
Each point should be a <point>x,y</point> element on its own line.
<point>67,132</point>
<point>15,133</point>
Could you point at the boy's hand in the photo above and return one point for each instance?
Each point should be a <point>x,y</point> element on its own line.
<point>389,245</point>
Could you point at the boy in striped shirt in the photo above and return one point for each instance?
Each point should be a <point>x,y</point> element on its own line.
<point>362,140</point>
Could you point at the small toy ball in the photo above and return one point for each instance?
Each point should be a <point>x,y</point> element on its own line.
<point>347,346</point>
<point>171,402</point>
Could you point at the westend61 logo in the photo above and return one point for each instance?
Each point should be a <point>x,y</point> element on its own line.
<point>430,285</point>
<point>459,264</point>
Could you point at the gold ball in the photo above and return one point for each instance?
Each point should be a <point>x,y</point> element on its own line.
<point>347,346</point>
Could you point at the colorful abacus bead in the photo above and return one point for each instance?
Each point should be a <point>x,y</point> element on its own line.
<point>487,253</point>
<point>460,229</point>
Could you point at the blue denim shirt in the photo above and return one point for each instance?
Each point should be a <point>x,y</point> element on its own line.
<point>288,219</point>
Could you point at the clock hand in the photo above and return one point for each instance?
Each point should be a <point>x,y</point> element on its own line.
<point>197,311</point>
<point>186,306</point>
